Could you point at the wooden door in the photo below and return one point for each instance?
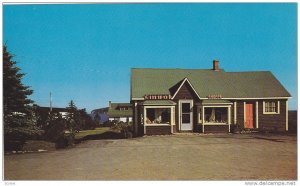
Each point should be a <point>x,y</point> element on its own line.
<point>249,116</point>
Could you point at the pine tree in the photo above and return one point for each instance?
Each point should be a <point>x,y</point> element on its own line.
<point>73,120</point>
<point>14,92</point>
<point>19,117</point>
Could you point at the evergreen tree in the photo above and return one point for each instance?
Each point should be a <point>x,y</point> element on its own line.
<point>73,120</point>
<point>86,122</point>
<point>15,94</point>
<point>19,117</point>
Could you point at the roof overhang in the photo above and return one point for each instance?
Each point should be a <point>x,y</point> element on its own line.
<point>214,102</point>
<point>159,102</point>
<point>252,98</point>
<point>137,99</point>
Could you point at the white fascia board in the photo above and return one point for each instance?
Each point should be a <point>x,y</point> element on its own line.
<point>254,98</point>
<point>185,79</point>
<point>217,103</point>
<point>137,99</point>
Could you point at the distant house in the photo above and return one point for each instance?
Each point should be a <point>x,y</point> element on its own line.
<point>120,112</point>
<point>46,110</point>
<point>100,115</point>
<point>114,111</point>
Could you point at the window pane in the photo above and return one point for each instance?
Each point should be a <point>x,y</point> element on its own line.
<point>186,118</point>
<point>271,106</point>
<point>186,108</point>
<point>158,115</point>
<point>216,115</point>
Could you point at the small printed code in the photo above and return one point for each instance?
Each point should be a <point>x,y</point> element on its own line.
<point>10,183</point>
<point>271,183</point>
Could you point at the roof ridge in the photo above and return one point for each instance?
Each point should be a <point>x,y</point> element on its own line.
<point>251,71</point>
<point>221,69</point>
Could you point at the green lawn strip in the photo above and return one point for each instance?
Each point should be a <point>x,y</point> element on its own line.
<point>83,133</point>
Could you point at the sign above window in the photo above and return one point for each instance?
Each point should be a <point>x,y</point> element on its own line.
<point>157,97</point>
<point>214,96</point>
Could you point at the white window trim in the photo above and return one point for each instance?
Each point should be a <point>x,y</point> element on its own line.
<point>172,122</point>
<point>287,115</point>
<point>228,115</point>
<point>256,113</point>
<point>216,124</point>
<point>135,118</point>
<point>234,113</point>
<point>157,124</point>
<point>278,108</point>
<point>199,112</point>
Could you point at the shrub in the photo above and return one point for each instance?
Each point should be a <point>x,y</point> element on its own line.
<point>18,129</point>
<point>109,123</point>
<point>238,128</point>
<point>124,128</point>
<point>55,129</point>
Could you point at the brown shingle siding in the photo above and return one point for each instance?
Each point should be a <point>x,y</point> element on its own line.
<point>158,130</point>
<point>240,112</point>
<point>272,121</point>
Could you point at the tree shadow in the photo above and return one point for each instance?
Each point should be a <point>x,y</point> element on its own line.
<point>105,135</point>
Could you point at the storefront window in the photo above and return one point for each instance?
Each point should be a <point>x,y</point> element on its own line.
<point>216,115</point>
<point>158,116</point>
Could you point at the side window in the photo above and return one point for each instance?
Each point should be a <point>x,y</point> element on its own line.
<point>271,107</point>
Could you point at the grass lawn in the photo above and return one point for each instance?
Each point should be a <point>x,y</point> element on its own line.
<point>83,133</point>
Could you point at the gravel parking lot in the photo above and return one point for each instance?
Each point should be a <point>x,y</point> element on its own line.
<point>176,157</point>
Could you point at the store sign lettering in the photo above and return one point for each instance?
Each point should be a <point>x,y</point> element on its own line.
<point>157,97</point>
<point>214,96</point>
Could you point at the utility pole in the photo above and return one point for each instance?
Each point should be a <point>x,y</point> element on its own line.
<point>50,102</point>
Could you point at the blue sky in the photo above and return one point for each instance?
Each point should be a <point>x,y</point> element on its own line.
<point>84,52</point>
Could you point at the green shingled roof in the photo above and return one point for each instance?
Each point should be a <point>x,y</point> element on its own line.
<point>258,84</point>
<point>114,111</point>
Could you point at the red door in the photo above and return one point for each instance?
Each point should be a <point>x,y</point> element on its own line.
<point>249,116</point>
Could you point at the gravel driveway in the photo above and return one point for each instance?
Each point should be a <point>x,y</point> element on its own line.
<point>176,157</point>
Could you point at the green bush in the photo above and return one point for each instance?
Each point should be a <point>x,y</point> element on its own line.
<point>238,128</point>
<point>55,129</point>
<point>18,129</point>
<point>109,123</point>
<point>123,127</point>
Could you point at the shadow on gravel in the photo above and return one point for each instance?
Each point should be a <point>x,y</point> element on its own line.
<point>105,135</point>
<point>268,139</point>
<point>268,136</point>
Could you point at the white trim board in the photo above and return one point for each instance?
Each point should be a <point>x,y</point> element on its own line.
<point>278,108</point>
<point>138,99</point>
<point>287,115</point>
<point>185,79</point>
<point>256,98</point>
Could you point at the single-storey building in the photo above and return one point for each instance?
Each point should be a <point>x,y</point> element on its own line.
<point>114,112</point>
<point>44,111</point>
<point>167,101</point>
